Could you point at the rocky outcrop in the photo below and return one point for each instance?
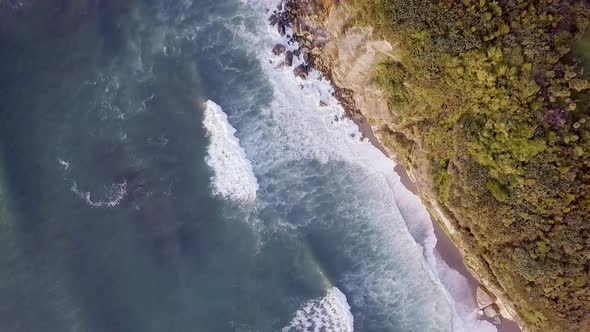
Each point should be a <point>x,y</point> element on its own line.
<point>278,49</point>
<point>490,305</point>
<point>301,71</point>
<point>349,56</point>
<point>484,298</point>
<point>289,59</point>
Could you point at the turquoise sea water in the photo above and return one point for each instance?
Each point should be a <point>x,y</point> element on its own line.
<point>114,218</point>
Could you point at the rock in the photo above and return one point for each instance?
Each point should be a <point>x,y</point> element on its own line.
<point>301,71</point>
<point>296,28</point>
<point>278,49</point>
<point>297,53</point>
<point>484,298</point>
<point>323,103</point>
<point>503,310</point>
<point>281,29</point>
<point>497,320</point>
<point>306,57</point>
<point>316,51</point>
<point>289,59</point>
<point>273,19</point>
<point>491,311</point>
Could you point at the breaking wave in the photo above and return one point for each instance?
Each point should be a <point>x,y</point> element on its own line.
<point>233,175</point>
<point>331,313</point>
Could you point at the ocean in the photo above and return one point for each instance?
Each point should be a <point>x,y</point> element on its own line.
<point>162,170</point>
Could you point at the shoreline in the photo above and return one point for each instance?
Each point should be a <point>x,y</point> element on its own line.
<point>445,247</point>
<point>447,250</point>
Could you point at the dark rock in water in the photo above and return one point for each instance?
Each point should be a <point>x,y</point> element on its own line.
<point>273,19</point>
<point>301,71</point>
<point>281,29</point>
<point>289,59</point>
<point>297,53</point>
<point>306,57</point>
<point>323,103</point>
<point>278,49</point>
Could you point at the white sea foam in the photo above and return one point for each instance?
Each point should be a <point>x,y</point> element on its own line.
<point>113,197</point>
<point>300,129</point>
<point>233,176</point>
<point>64,163</point>
<point>331,313</point>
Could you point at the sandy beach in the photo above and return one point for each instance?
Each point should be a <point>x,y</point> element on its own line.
<point>444,245</point>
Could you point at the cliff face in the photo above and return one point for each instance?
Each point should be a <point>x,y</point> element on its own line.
<point>517,258</point>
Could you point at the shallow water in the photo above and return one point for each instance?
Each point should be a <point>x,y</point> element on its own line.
<point>128,203</point>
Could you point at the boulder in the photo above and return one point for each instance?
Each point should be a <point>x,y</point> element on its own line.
<point>491,311</point>
<point>281,28</point>
<point>503,310</point>
<point>306,57</point>
<point>289,58</point>
<point>326,4</point>
<point>484,298</point>
<point>497,320</point>
<point>279,49</point>
<point>301,71</point>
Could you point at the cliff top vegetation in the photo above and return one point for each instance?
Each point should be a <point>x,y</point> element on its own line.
<point>498,94</point>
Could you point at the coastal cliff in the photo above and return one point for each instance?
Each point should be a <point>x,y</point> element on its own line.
<point>486,106</point>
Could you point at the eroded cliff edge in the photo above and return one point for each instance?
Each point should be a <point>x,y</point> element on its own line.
<point>505,173</point>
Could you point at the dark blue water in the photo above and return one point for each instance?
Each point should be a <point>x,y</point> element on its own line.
<point>108,217</point>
